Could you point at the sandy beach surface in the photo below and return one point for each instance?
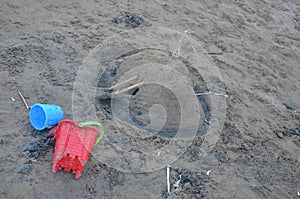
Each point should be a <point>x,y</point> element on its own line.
<point>255,47</point>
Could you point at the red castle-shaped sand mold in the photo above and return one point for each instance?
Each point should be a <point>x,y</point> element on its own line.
<point>72,146</point>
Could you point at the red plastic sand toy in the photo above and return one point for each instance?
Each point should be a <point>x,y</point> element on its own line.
<point>73,144</point>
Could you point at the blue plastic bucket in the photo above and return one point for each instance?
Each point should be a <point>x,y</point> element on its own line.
<point>43,115</point>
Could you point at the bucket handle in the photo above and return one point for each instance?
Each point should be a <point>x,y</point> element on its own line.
<point>94,123</point>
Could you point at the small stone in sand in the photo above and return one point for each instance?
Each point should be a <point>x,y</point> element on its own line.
<point>280,134</point>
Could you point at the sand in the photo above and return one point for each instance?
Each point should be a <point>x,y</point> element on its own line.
<point>255,45</point>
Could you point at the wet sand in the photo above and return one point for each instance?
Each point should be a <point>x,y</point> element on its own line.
<point>255,46</point>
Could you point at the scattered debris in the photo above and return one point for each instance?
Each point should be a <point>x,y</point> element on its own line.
<point>13,99</point>
<point>129,20</point>
<point>31,159</point>
<point>208,172</point>
<point>38,148</point>
<point>176,184</point>
<point>24,101</point>
<point>168,179</point>
<point>195,182</point>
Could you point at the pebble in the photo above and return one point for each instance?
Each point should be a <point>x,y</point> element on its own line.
<point>280,134</point>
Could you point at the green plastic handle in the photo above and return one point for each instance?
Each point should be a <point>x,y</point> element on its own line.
<point>94,123</point>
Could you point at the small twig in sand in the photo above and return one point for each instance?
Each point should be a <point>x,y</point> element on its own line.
<point>208,93</point>
<point>23,100</point>
<point>168,179</point>
<point>121,83</point>
<point>128,88</point>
